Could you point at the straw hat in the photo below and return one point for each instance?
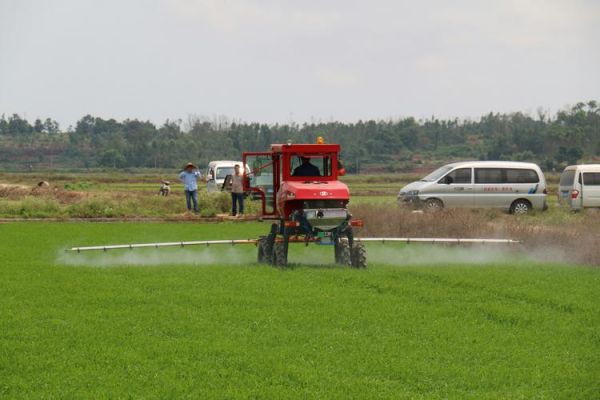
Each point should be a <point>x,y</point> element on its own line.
<point>190,165</point>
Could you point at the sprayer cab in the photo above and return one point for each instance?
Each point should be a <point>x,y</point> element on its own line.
<point>291,174</point>
<point>299,188</point>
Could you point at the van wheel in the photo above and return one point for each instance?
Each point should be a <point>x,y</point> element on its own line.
<point>520,207</point>
<point>433,205</point>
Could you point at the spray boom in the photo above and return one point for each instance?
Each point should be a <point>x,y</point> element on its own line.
<point>255,241</point>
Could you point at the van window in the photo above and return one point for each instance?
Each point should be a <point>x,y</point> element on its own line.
<point>222,172</point>
<point>437,174</point>
<point>591,178</point>
<point>505,175</point>
<point>461,175</point>
<point>488,175</point>
<point>567,177</point>
<point>521,176</point>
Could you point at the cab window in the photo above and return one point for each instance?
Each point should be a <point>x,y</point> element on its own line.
<point>458,176</point>
<point>305,165</point>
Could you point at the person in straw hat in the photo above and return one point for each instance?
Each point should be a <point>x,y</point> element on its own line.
<point>165,188</point>
<point>189,176</point>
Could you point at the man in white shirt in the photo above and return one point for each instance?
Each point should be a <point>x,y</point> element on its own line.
<point>237,192</point>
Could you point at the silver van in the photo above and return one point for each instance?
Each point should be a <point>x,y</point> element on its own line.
<point>579,186</point>
<point>517,187</point>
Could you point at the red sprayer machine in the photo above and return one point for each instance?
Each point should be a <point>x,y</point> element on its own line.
<point>301,195</point>
<point>306,201</point>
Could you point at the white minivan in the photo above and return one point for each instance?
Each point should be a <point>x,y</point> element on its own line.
<point>216,173</point>
<point>517,187</point>
<point>579,186</point>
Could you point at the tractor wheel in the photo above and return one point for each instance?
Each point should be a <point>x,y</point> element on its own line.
<point>359,255</point>
<point>261,251</point>
<point>342,252</point>
<point>279,255</point>
<point>265,252</point>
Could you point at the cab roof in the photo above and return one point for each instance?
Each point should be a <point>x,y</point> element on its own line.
<point>305,148</point>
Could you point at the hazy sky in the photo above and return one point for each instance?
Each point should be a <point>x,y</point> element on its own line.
<point>295,60</point>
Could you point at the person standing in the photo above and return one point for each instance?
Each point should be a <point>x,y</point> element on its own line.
<point>189,176</point>
<point>237,192</point>
<point>165,188</point>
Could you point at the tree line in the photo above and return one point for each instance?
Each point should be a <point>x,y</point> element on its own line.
<point>566,137</point>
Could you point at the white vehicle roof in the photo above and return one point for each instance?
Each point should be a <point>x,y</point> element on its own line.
<point>494,164</point>
<point>223,163</point>
<point>586,167</point>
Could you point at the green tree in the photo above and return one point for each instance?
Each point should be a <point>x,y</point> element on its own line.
<point>18,126</point>
<point>38,126</point>
<point>112,158</point>
<point>3,125</point>
<point>51,126</point>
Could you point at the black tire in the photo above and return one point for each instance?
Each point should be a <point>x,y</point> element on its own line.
<point>260,258</point>
<point>359,255</point>
<point>433,205</point>
<point>279,255</point>
<point>265,251</point>
<point>342,252</point>
<point>520,207</point>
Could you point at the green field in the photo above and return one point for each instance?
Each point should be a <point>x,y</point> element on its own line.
<point>210,323</point>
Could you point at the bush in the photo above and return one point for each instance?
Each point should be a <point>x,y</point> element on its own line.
<point>219,201</point>
<point>33,207</point>
<point>77,186</point>
<point>208,212</point>
<point>10,208</point>
<point>95,208</point>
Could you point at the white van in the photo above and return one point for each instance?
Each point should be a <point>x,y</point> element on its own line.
<point>216,173</point>
<point>579,186</point>
<point>517,187</point>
